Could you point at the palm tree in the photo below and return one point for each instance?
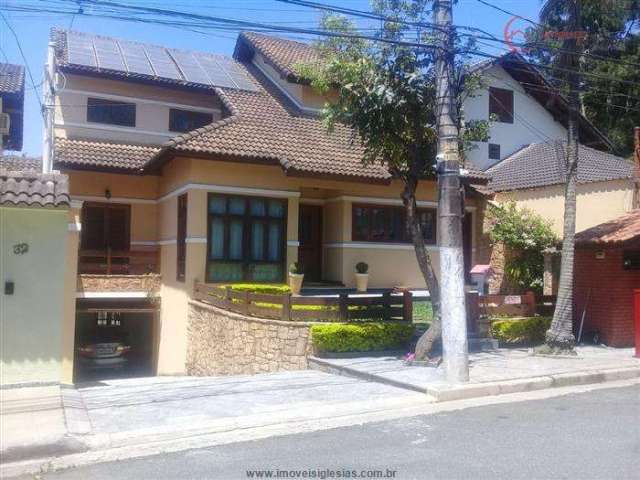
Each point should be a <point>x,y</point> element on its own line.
<point>560,336</point>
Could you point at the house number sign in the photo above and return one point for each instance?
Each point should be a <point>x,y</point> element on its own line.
<point>20,248</point>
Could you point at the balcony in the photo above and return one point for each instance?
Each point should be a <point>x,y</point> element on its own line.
<point>133,272</point>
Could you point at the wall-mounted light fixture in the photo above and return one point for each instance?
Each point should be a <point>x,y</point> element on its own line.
<point>107,194</point>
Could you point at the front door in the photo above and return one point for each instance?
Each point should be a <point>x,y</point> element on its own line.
<point>310,238</point>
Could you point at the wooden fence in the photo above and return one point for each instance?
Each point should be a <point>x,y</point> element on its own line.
<point>317,309</point>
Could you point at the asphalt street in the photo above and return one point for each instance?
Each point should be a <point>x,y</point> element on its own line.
<point>593,435</point>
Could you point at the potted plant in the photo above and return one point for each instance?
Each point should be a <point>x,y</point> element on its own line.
<point>362,276</point>
<point>295,278</point>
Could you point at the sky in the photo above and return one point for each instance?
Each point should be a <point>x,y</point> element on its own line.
<point>33,28</point>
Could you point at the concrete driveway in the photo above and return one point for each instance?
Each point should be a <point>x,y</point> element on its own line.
<point>116,411</point>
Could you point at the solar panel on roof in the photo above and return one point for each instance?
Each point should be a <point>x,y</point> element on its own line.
<point>153,60</point>
<point>190,67</point>
<point>108,54</point>
<point>237,74</point>
<point>135,58</point>
<point>80,50</point>
<point>161,62</point>
<point>217,75</point>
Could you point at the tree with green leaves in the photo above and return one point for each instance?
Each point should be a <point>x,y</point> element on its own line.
<point>527,235</point>
<point>609,54</point>
<point>386,93</point>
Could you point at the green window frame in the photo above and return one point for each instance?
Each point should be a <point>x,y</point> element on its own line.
<point>246,238</point>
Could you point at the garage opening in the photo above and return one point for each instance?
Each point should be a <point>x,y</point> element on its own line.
<point>115,339</point>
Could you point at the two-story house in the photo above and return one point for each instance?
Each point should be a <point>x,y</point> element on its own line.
<point>197,166</point>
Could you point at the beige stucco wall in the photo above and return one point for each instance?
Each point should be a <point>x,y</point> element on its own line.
<point>304,95</point>
<point>597,202</point>
<point>154,219</point>
<point>32,318</point>
<point>152,108</point>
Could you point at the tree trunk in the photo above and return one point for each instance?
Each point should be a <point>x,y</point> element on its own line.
<point>427,340</point>
<point>450,205</point>
<point>560,337</point>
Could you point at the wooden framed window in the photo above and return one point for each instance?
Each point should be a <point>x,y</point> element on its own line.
<point>501,104</point>
<point>494,151</point>
<point>105,225</point>
<point>186,120</point>
<point>246,239</point>
<point>100,110</point>
<point>181,240</point>
<point>384,223</point>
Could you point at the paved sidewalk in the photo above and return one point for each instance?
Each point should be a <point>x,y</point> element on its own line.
<point>494,372</point>
<point>119,411</point>
<point>32,424</point>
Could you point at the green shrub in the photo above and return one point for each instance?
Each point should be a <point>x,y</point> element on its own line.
<point>268,288</point>
<point>362,268</point>
<point>360,337</point>
<point>520,330</point>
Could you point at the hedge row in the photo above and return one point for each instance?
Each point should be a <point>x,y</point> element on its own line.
<point>266,288</point>
<point>520,330</point>
<point>361,337</point>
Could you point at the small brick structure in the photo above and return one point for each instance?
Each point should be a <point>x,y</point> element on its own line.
<point>605,277</point>
<point>221,342</point>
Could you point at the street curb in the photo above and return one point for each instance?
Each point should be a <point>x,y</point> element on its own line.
<point>324,365</point>
<point>443,392</point>
<point>244,431</point>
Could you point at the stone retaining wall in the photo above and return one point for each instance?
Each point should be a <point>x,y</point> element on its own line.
<point>226,343</point>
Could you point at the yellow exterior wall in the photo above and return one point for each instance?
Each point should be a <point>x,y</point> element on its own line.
<point>597,202</point>
<point>153,202</point>
<point>32,318</point>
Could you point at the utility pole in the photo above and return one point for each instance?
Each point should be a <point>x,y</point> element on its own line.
<point>560,334</point>
<point>450,205</point>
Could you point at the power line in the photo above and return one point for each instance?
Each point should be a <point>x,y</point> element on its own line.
<point>486,35</point>
<point>26,64</point>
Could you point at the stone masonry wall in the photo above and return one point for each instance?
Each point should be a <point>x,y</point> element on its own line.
<point>225,343</point>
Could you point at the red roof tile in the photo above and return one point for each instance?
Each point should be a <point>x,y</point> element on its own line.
<point>621,230</point>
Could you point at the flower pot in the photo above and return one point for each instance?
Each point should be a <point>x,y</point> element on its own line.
<point>295,282</point>
<point>362,280</point>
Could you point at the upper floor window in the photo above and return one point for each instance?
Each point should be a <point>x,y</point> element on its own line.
<point>494,151</point>
<point>185,120</point>
<point>382,223</point>
<point>501,104</point>
<point>111,112</point>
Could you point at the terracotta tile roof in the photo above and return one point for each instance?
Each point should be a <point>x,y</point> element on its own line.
<point>20,163</point>
<point>281,53</point>
<point>11,78</point>
<point>103,155</point>
<point>264,125</point>
<point>621,230</point>
<point>543,164</point>
<point>33,189</point>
